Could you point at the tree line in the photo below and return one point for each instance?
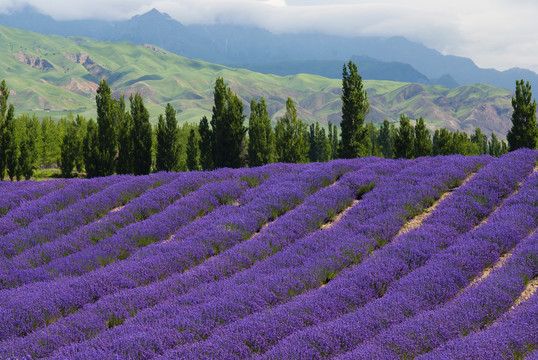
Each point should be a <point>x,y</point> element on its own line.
<point>223,141</point>
<point>121,140</point>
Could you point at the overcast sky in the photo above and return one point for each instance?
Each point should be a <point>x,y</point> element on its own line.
<point>494,33</point>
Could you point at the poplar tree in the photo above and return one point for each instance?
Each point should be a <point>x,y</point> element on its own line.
<point>355,107</point>
<point>29,153</point>
<point>51,139</point>
<point>442,142</point>
<point>142,136</point>
<point>333,141</point>
<point>205,144</point>
<point>81,125</point>
<point>435,143</point>
<point>107,130</point>
<point>9,142</point>
<point>192,151</point>
<point>124,162</point>
<point>291,139</point>
<point>161,150</point>
<point>25,166</point>
<point>461,143</point>
<point>423,142</point>
<point>5,113</point>
<point>404,139</point>
<point>371,140</point>
<point>172,138</point>
<point>319,144</point>
<point>69,149</point>
<point>168,146</point>
<point>261,147</point>
<point>524,133</point>
<point>494,146</point>
<point>385,141</point>
<point>504,147</point>
<point>90,147</point>
<point>480,142</point>
<point>227,126</point>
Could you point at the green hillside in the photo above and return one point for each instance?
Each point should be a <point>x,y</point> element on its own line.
<point>52,75</point>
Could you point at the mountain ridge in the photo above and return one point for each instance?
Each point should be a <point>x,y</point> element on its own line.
<point>231,45</point>
<point>77,65</point>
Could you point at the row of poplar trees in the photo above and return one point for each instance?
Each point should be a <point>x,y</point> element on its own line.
<point>359,138</point>
<point>121,139</point>
<point>17,146</point>
<point>223,141</point>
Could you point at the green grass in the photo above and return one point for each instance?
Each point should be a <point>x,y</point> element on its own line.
<point>46,174</point>
<point>187,84</point>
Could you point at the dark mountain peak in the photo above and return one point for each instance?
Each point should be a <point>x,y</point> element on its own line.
<point>447,81</point>
<point>26,16</point>
<point>153,15</point>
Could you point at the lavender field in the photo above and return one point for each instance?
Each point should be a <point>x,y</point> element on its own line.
<point>431,258</point>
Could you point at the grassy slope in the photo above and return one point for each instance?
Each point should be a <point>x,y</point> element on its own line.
<point>188,85</point>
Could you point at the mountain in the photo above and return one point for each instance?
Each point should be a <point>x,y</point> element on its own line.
<point>370,68</point>
<point>51,75</point>
<point>283,54</point>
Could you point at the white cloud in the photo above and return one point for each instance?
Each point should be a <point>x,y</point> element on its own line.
<point>494,33</point>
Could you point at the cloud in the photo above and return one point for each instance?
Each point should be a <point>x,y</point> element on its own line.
<point>494,33</point>
<point>76,9</point>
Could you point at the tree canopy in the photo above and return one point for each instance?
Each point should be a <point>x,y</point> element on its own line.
<point>524,133</point>
<point>168,146</point>
<point>291,136</point>
<point>227,126</point>
<point>261,146</point>
<point>355,106</point>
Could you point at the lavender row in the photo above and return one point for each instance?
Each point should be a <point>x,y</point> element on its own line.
<point>169,308</point>
<point>11,185</point>
<point>514,336</point>
<point>461,264</point>
<point>158,197</point>
<point>370,279</point>
<point>31,306</point>
<point>53,202</point>
<point>103,202</point>
<point>71,212</point>
<point>423,288</point>
<point>114,308</point>
<point>13,198</point>
<point>310,215</point>
<point>258,332</point>
<point>152,332</point>
<point>213,235</point>
<point>36,304</point>
<point>475,309</point>
<point>160,194</point>
<point>221,224</point>
<point>313,262</point>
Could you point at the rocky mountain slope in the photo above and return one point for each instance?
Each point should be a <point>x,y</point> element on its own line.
<point>51,75</point>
